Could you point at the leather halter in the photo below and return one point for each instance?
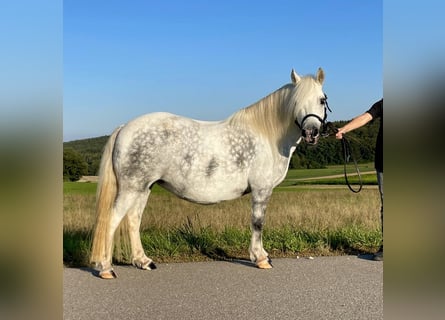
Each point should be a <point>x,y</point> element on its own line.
<point>322,121</point>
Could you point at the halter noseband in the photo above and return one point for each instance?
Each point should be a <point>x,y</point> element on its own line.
<point>322,121</point>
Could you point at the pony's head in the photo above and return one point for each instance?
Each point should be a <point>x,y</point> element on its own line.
<point>310,104</point>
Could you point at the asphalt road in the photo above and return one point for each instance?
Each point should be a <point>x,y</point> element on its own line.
<point>345,287</point>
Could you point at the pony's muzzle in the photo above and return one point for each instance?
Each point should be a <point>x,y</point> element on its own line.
<point>311,135</point>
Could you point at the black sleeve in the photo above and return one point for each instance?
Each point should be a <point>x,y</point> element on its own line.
<point>376,111</point>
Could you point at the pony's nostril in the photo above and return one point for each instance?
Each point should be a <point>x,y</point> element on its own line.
<point>315,132</point>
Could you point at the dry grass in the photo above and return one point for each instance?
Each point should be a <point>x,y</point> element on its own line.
<point>304,221</point>
<point>300,220</point>
<point>324,209</point>
<point>78,212</point>
<point>328,209</point>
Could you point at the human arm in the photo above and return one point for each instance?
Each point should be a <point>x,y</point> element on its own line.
<point>355,123</point>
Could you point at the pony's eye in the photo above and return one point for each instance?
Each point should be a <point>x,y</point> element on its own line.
<point>324,100</point>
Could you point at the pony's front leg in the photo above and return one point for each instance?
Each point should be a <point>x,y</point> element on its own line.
<point>257,252</point>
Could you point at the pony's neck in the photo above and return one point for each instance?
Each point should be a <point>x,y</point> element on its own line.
<point>271,118</point>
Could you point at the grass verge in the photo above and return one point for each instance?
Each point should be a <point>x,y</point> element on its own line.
<point>301,222</point>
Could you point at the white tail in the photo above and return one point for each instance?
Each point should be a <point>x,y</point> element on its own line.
<point>105,197</point>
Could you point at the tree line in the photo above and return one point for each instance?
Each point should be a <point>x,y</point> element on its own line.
<point>82,157</point>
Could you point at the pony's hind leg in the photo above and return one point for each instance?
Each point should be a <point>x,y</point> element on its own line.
<point>105,266</point>
<point>139,259</point>
<point>123,204</point>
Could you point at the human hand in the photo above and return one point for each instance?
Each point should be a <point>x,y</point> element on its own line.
<point>339,134</point>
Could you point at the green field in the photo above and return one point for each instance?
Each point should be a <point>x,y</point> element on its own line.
<point>328,171</point>
<point>308,219</point>
<point>295,177</point>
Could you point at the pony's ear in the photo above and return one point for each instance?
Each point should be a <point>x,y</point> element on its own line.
<point>320,75</point>
<point>295,77</point>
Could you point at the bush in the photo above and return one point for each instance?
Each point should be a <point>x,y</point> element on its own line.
<point>74,167</point>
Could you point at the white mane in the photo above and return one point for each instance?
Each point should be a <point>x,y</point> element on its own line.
<point>272,116</point>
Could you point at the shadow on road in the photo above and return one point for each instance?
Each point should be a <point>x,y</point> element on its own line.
<point>218,254</point>
<point>368,256</point>
<point>89,270</point>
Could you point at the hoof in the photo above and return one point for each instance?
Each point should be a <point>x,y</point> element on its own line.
<point>110,274</point>
<point>264,264</point>
<point>150,266</point>
<point>147,265</point>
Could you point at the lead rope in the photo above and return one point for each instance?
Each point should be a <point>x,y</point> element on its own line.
<point>347,156</point>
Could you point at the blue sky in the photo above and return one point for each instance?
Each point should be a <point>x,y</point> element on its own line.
<point>208,59</point>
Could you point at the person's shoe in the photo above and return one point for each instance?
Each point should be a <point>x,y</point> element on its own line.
<point>378,256</point>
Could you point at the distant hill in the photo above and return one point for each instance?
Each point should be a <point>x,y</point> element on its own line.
<point>328,151</point>
<point>91,151</point>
